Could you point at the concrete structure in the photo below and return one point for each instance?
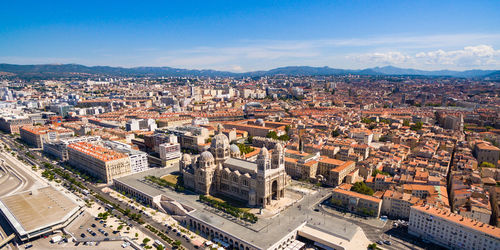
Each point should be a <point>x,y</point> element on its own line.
<point>36,212</point>
<point>361,135</point>
<point>485,152</point>
<point>98,161</point>
<point>397,205</point>
<point>452,230</point>
<point>11,124</point>
<point>59,148</point>
<point>190,137</point>
<point>170,153</point>
<point>300,165</point>
<point>276,233</point>
<point>141,124</point>
<point>217,171</point>
<point>333,172</point>
<point>138,159</point>
<point>36,136</point>
<point>356,202</point>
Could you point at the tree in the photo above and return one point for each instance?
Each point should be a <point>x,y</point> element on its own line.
<point>335,133</point>
<point>417,126</point>
<point>272,134</point>
<point>406,123</point>
<point>284,137</point>
<point>486,164</point>
<point>146,240</point>
<point>362,188</point>
<point>376,171</point>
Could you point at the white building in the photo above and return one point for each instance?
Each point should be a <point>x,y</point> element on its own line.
<point>138,159</point>
<point>170,153</point>
<point>451,230</point>
<point>361,135</point>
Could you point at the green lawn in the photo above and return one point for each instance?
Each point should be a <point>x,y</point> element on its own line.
<point>170,178</point>
<point>232,202</point>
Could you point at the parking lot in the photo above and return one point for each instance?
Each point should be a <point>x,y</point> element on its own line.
<point>45,243</point>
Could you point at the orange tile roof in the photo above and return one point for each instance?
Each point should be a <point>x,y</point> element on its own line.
<point>331,161</point>
<point>458,219</point>
<point>357,195</point>
<point>98,152</point>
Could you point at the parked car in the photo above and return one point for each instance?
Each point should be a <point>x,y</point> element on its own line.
<point>387,242</point>
<point>28,246</point>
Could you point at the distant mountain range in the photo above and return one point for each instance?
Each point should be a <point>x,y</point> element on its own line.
<point>72,70</point>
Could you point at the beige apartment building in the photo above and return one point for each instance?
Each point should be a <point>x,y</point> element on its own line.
<point>356,202</point>
<point>333,172</point>
<point>36,136</point>
<point>485,152</point>
<point>451,230</point>
<point>98,161</point>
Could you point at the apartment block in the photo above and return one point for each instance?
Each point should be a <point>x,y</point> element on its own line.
<point>451,230</point>
<point>170,153</point>
<point>101,162</point>
<point>36,136</point>
<point>59,148</point>
<point>356,202</point>
<point>485,152</point>
<point>334,171</point>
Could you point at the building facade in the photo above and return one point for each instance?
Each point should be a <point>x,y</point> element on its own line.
<point>221,171</point>
<point>98,161</point>
<point>451,230</point>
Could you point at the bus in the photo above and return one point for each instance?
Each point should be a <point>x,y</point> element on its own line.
<point>157,243</point>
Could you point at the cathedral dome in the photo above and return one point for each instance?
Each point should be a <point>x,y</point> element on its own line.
<point>220,141</point>
<point>206,156</point>
<point>234,149</point>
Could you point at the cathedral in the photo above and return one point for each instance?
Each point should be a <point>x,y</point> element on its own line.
<point>221,170</point>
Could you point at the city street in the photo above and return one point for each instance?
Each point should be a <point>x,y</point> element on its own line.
<point>38,159</point>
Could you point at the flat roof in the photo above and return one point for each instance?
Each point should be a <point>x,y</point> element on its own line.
<point>274,228</point>
<point>33,210</point>
<point>137,181</point>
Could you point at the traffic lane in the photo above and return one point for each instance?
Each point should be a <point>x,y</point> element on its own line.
<point>97,190</point>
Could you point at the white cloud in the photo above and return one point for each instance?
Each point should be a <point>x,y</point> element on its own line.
<point>423,52</point>
<point>479,56</point>
<point>391,57</point>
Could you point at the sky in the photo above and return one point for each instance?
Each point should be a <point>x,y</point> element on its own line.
<point>242,36</point>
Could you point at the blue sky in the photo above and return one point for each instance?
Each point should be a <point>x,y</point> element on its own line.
<point>253,35</point>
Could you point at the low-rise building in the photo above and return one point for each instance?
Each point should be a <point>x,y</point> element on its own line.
<point>397,204</point>
<point>356,202</point>
<point>333,172</point>
<point>12,124</point>
<point>485,152</point>
<point>36,136</point>
<point>170,153</point>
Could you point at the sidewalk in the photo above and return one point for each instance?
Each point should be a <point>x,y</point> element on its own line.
<point>156,215</point>
<point>374,222</point>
